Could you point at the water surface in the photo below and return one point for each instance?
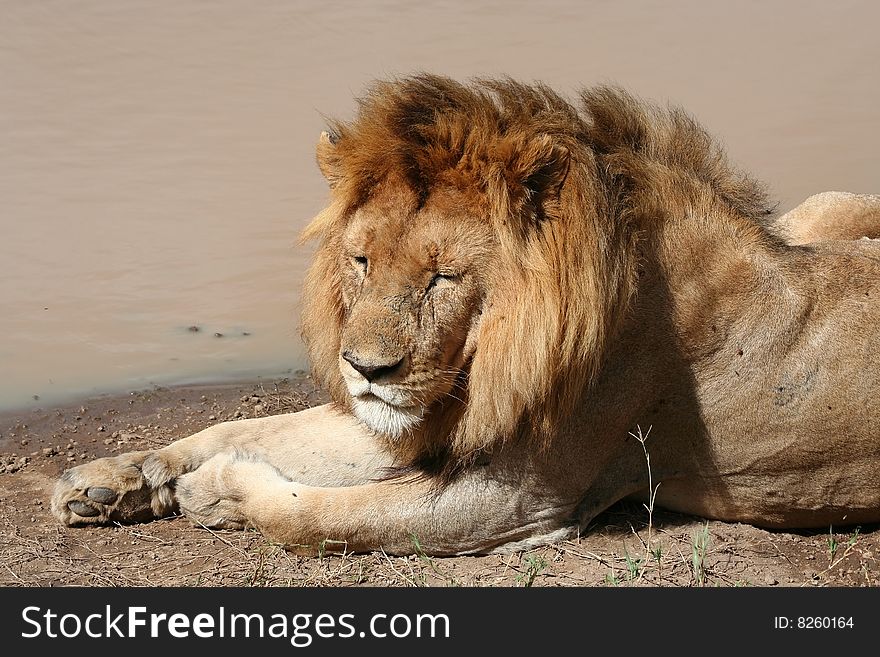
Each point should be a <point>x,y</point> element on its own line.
<point>157,158</point>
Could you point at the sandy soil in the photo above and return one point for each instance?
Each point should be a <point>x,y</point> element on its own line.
<point>618,549</point>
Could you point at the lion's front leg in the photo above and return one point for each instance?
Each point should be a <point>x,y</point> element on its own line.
<point>319,446</point>
<point>137,486</point>
<point>477,513</point>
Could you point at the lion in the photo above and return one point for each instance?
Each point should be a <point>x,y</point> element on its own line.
<point>510,292</point>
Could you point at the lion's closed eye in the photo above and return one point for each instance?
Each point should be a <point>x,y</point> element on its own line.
<point>442,280</point>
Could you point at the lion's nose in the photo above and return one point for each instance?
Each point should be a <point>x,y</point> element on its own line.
<point>372,369</point>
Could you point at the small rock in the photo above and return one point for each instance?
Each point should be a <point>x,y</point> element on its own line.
<point>101,428</point>
<point>770,581</point>
<point>218,335</point>
<point>109,441</point>
<point>258,408</point>
<point>212,417</point>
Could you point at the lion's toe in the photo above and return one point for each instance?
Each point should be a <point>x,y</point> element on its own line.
<point>73,505</point>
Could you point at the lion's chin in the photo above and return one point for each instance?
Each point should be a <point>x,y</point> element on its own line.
<point>382,417</point>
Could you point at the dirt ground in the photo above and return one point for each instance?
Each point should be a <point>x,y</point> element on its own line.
<point>620,548</point>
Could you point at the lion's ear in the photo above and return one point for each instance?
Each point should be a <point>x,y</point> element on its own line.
<point>534,172</point>
<point>549,171</point>
<point>328,158</point>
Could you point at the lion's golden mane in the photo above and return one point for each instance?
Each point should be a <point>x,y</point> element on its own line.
<point>570,190</point>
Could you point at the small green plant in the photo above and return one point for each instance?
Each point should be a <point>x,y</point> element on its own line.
<point>534,566</point>
<point>657,553</point>
<point>633,566</point>
<point>833,544</point>
<point>851,541</point>
<point>611,579</point>
<point>699,549</point>
<point>428,561</point>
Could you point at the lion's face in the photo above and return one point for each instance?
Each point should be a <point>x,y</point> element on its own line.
<point>413,286</point>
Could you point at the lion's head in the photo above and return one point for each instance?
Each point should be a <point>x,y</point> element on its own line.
<point>439,307</point>
<point>473,261</point>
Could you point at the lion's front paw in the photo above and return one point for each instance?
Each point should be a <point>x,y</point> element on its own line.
<point>133,487</point>
<point>217,492</point>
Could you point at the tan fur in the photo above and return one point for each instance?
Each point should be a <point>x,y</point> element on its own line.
<point>506,286</point>
<point>832,216</point>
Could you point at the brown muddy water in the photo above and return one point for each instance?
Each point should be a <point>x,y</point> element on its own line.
<point>156,158</point>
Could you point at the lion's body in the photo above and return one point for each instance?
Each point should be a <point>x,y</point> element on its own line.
<point>832,216</point>
<point>507,289</point>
